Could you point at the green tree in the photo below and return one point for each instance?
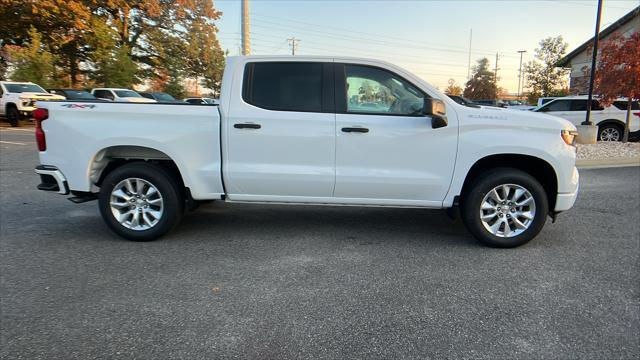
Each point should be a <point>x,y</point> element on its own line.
<point>204,57</point>
<point>32,62</point>
<point>482,84</point>
<point>543,77</point>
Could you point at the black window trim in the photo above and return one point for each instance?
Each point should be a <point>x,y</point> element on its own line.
<point>327,103</point>
<point>341,89</point>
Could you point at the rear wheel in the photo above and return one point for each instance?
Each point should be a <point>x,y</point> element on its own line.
<point>610,132</point>
<point>505,208</point>
<point>13,115</point>
<point>141,201</point>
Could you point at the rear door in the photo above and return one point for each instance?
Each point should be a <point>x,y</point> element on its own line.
<point>280,132</point>
<point>386,150</point>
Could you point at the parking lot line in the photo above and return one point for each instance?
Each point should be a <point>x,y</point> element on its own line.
<point>12,142</point>
<point>11,129</point>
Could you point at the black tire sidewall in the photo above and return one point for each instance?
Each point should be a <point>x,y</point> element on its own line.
<point>618,128</point>
<point>163,181</point>
<point>470,206</point>
<point>13,115</point>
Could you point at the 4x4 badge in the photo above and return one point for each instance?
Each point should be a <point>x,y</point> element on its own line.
<point>79,106</point>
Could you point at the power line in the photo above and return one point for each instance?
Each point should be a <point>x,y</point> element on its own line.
<point>266,24</point>
<point>369,34</point>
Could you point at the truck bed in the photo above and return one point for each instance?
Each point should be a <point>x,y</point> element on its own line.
<point>188,135</point>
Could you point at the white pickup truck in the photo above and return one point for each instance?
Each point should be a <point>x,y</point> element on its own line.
<point>311,130</point>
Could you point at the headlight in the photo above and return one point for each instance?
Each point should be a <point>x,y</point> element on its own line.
<point>569,137</point>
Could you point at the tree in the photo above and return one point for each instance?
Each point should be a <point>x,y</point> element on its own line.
<point>543,77</point>
<point>32,62</point>
<point>618,72</point>
<point>3,62</point>
<point>482,84</point>
<point>453,89</point>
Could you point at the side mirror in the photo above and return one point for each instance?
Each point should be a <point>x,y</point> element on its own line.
<point>437,111</point>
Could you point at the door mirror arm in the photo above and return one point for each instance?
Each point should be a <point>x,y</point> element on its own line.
<point>435,109</point>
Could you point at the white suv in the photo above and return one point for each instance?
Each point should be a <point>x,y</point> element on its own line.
<point>18,99</point>
<point>120,95</point>
<point>610,120</point>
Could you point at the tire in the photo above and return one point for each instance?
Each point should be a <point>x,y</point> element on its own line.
<point>610,132</point>
<point>155,218</point>
<point>523,222</point>
<point>13,116</point>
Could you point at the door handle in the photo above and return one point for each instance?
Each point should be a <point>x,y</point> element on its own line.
<point>247,126</point>
<point>355,129</point>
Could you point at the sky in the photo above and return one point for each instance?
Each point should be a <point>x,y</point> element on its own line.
<point>429,38</point>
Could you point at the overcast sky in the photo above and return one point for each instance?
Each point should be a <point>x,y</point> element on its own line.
<point>430,38</point>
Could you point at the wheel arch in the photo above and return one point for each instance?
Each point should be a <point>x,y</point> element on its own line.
<point>612,122</point>
<point>538,168</point>
<point>109,158</point>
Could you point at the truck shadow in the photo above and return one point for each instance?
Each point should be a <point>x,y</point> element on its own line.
<point>360,225</point>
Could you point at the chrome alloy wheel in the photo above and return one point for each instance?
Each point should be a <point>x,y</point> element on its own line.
<point>136,204</point>
<point>610,134</point>
<point>508,210</point>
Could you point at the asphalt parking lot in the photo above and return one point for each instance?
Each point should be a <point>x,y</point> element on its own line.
<point>244,281</point>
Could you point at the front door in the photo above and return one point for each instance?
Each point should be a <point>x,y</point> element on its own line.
<point>386,149</point>
<point>280,133</point>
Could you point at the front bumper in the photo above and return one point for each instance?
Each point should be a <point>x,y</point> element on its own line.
<point>52,179</point>
<point>565,201</point>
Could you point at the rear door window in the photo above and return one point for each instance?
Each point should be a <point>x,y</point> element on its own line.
<point>284,86</point>
<point>622,105</point>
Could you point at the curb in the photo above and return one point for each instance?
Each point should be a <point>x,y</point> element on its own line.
<point>607,163</point>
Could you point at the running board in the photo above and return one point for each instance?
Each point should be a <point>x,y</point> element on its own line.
<point>83,198</point>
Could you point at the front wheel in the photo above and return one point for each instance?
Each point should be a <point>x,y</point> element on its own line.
<point>505,208</point>
<point>141,201</point>
<point>13,115</point>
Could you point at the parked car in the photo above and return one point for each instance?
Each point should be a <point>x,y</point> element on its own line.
<point>201,101</point>
<point>462,100</point>
<point>17,99</point>
<point>610,120</point>
<point>73,94</point>
<point>160,97</point>
<point>280,135</point>
<point>546,99</point>
<point>120,95</point>
<point>517,105</point>
<point>496,103</point>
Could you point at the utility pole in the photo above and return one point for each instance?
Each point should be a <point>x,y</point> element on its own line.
<point>246,43</point>
<point>495,73</point>
<point>520,83</point>
<point>293,42</point>
<point>469,65</point>
<point>594,56</point>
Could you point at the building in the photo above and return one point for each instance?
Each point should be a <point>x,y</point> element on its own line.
<point>579,60</point>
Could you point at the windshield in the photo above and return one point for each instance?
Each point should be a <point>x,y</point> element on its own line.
<point>164,97</point>
<point>127,93</point>
<point>78,94</point>
<point>20,88</point>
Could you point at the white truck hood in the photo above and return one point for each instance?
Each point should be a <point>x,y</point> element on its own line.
<point>40,96</point>
<point>529,119</point>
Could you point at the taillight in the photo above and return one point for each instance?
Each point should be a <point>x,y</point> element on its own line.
<point>40,115</point>
<point>637,114</point>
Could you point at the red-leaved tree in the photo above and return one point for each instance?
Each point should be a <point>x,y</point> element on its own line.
<point>618,72</point>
